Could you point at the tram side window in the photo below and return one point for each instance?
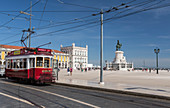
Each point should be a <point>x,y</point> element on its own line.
<point>14,64</point>
<point>32,62</point>
<point>51,62</point>
<point>25,63</point>
<point>39,61</point>
<point>9,64</point>
<point>46,62</point>
<point>21,63</point>
<point>18,64</point>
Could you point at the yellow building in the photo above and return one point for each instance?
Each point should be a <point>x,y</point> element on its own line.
<point>62,58</point>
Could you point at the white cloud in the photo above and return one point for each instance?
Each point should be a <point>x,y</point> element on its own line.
<point>150,45</point>
<point>161,12</point>
<point>164,37</point>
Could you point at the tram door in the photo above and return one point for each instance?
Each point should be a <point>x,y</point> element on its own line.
<point>55,68</point>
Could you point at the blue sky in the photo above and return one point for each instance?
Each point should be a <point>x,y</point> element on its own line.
<point>139,33</point>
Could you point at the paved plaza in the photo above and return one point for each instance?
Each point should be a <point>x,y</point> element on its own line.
<point>135,81</point>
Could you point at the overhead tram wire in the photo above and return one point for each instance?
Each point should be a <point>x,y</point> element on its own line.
<point>73,27</point>
<point>75,22</point>
<point>58,30</point>
<point>141,4</point>
<point>124,6</point>
<point>67,21</point>
<point>18,15</point>
<point>106,20</point>
<point>12,42</point>
<point>56,11</point>
<point>81,25</point>
<point>42,13</point>
<point>77,5</point>
<point>70,31</point>
<point>71,21</point>
<point>138,11</point>
<point>10,37</point>
<point>80,29</point>
<point>24,17</point>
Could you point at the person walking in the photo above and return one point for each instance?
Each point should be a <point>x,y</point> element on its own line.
<point>71,70</point>
<point>68,71</point>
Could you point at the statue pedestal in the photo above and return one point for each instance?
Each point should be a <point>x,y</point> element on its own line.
<point>119,58</point>
<point>119,62</point>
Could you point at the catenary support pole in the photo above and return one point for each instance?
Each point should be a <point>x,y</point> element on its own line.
<point>30,24</point>
<point>101,49</point>
<point>157,63</point>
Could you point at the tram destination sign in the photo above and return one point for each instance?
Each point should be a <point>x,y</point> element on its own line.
<point>44,50</point>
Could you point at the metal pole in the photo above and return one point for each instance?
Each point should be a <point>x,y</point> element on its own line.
<point>157,62</point>
<point>101,49</point>
<point>30,24</point>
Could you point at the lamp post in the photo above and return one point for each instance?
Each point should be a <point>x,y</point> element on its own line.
<point>157,50</point>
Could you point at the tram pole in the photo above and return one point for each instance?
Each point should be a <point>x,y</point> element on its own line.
<point>30,24</point>
<point>101,48</point>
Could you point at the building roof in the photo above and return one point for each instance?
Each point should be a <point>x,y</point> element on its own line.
<point>11,47</point>
<point>56,51</point>
<point>20,47</point>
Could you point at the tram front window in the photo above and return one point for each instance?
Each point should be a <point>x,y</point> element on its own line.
<point>39,62</point>
<point>46,62</point>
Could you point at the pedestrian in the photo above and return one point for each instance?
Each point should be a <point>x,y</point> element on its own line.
<point>85,69</point>
<point>68,71</point>
<point>71,70</point>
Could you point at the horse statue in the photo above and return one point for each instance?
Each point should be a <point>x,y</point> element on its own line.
<point>118,46</point>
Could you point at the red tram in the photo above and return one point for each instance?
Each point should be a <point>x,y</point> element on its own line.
<point>30,64</point>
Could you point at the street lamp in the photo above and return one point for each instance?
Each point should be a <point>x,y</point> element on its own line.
<point>157,50</point>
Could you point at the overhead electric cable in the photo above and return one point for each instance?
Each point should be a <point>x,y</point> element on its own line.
<point>77,5</point>
<point>42,13</point>
<point>67,23</point>
<point>95,22</point>
<point>18,15</point>
<point>10,37</point>
<point>138,11</point>
<point>24,17</point>
<point>56,11</point>
<point>136,6</point>
<point>105,20</point>
<point>73,27</point>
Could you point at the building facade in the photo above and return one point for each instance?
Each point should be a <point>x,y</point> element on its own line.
<point>78,56</point>
<point>62,58</point>
<point>4,49</point>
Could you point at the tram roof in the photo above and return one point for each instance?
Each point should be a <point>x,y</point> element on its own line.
<point>30,51</point>
<point>20,47</point>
